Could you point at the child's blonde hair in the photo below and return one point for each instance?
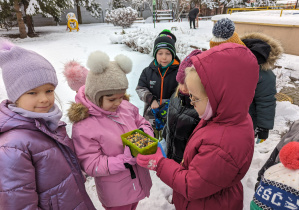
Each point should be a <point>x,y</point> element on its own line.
<point>192,70</point>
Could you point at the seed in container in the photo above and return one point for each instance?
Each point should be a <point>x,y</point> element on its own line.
<point>139,140</point>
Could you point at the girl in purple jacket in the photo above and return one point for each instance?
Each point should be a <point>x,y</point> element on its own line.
<point>38,167</point>
<point>100,117</point>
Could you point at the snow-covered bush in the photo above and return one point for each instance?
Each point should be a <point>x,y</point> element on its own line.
<point>140,40</point>
<point>121,17</point>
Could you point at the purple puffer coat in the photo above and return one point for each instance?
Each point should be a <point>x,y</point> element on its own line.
<point>38,168</point>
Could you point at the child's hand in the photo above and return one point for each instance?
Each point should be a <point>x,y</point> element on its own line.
<point>260,140</point>
<point>154,104</point>
<point>117,164</point>
<point>128,157</point>
<point>150,161</point>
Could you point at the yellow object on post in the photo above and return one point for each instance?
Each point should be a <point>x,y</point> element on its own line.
<point>72,23</point>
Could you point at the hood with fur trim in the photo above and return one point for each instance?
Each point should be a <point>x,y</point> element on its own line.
<point>275,52</point>
<point>78,111</point>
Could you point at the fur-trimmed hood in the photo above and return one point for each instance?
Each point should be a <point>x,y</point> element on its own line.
<point>275,52</point>
<point>78,111</point>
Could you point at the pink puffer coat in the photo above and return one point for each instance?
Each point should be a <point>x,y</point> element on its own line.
<point>97,138</point>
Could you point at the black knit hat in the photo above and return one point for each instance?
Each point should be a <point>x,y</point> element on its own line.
<point>165,40</point>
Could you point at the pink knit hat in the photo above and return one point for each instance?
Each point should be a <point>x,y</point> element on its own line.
<point>75,75</point>
<point>180,77</point>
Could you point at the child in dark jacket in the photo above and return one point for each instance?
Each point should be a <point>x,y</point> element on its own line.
<point>157,82</point>
<point>38,167</point>
<point>262,109</point>
<point>267,51</point>
<point>182,118</point>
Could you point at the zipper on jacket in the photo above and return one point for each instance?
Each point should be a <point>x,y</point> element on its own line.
<point>134,186</point>
<point>110,117</point>
<point>162,84</point>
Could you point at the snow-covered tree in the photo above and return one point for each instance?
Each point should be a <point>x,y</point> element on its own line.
<point>91,5</point>
<point>51,8</point>
<point>48,8</point>
<point>121,17</point>
<point>119,4</point>
<point>8,17</point>
<point>136,4</point>
<point>212,4</point>
<point>180,7</point>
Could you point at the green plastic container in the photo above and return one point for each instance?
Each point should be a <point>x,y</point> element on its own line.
<point>150,149</point>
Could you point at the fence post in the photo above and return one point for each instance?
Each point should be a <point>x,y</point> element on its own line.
<point>154,15</point>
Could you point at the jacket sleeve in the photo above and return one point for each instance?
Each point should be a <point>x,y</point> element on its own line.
<point>17,183</point>
<point>265,100</point>
<point>291,135</point>
<point>142,88</point>
<point>88,151</point>
<point>141,122</point>
<point>210,171</point>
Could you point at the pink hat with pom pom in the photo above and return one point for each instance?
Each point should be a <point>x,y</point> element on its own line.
<point>23,70</point>
<point>180,77</point>
<point>75,75</point>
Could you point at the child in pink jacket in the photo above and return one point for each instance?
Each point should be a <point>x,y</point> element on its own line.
<point>100,117</point>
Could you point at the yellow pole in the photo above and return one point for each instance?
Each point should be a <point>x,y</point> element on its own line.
<point>281,12</point>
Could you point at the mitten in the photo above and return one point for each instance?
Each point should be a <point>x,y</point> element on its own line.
<point>159,123</point>
<point>150,161</point>
<point>260,140</point>
<point>262,134</point>
<point>162,113</point>
<point>116,164</point>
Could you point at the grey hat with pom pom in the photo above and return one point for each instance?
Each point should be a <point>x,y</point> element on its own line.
<point>224,32</point>
<point>106,77</point>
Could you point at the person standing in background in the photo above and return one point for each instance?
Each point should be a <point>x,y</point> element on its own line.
<point>193,14</point>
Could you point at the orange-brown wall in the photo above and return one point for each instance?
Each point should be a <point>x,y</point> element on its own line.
<point>287,35</point>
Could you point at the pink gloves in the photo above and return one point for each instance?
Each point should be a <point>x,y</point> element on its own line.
<point>116,164</point>
<point>150,161</point>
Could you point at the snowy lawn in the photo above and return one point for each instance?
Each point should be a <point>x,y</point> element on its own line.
<point>60,46</point>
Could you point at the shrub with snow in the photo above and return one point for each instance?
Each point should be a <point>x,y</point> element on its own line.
<point>142,40</point>
<point>123,17</point>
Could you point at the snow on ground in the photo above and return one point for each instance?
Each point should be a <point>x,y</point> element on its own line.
<point>60,46</point>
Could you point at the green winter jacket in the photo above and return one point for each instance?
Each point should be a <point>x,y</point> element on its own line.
<point>262,109</point>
